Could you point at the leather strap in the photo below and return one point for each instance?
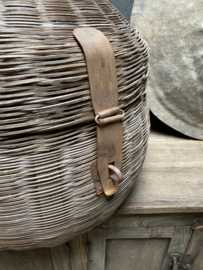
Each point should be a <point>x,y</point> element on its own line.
<point>101,68</point>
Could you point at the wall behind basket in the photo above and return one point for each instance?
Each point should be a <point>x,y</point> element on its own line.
<point>124,6</point>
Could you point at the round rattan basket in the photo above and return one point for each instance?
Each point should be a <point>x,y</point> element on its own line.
<point>47,129</point>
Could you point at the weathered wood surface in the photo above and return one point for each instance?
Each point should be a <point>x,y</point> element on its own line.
<point>78,252</point>
<point>97,249</point>
<point>38,259</point>
<point>131,221</point>
<point>198,263</point>
<point>139,254</point>
<point>178,244</point>
<point>141,232</point>
<point>194,252</point>
<point>171,179</point>
<point>60,257</point>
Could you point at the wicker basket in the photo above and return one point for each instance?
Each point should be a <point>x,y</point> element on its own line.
<point>47,129</point>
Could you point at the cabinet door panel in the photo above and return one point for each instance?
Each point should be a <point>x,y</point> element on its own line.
<point>39,259</point>
<point>135,254</point>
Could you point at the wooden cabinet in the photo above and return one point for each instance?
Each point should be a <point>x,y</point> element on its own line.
<point>146,242</point>
<point>130,242</point>
<point>162,216</point>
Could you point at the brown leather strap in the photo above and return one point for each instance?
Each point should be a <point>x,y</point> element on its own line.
<point>101,67</point>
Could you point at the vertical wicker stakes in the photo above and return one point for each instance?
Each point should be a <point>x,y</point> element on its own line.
<point>47,129</point>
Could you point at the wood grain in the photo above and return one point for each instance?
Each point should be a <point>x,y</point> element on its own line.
<point>142,232</point>
<point>198,263</point>
<point>39,259</point>
<point>171,179</point>
<point>133,221</point>
<point>97,249</point>
<point>60,257</point>
<point>78,252</point>
<point>192,254</point>
<point>178,244</point>
<point>142,254</point>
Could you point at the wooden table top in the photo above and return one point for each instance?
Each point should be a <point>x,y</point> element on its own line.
<point>171,180</point>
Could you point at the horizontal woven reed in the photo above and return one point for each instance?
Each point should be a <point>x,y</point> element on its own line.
<point>47,129</point>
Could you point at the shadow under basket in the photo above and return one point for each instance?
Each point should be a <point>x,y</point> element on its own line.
<point>48,134</point>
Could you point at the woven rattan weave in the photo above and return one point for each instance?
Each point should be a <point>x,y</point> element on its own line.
<point>47,129</point>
